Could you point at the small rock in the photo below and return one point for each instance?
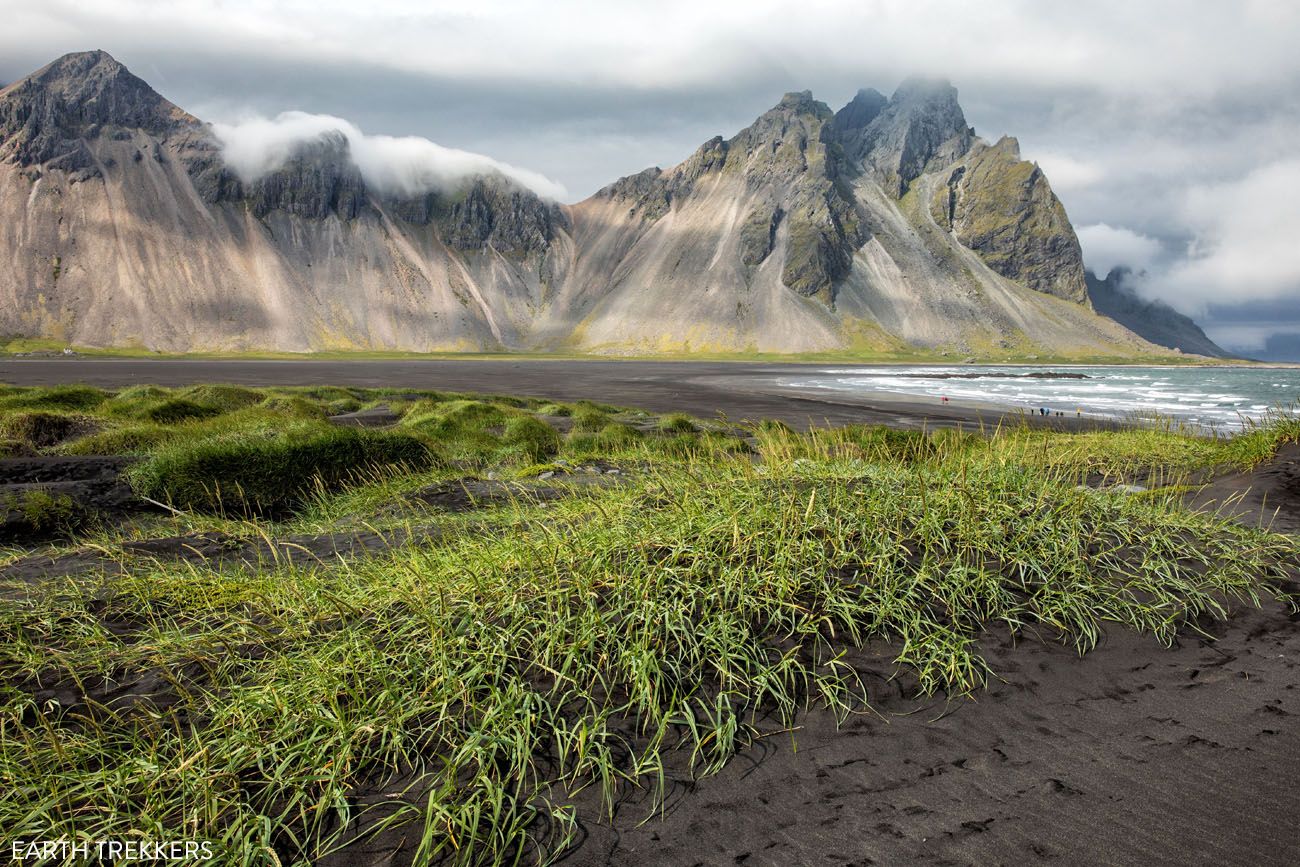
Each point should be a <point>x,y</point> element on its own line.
<point>546,475</point>
<point>1127,489</point>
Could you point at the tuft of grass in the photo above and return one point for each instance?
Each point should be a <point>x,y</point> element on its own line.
<point>65,398</point>
<point>530,439</point>
<point>41,429</point>
<point>677,423</point>
<point>224,398</point>
<point>589,419</point>
<point>270,473</point>
<point>616,435</point>
<point>134,439</point>
<point>295,406</point>
<point>176,409</point>
<point>41,513</point>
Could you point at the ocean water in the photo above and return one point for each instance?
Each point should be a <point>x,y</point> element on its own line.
<point>1221,398</point>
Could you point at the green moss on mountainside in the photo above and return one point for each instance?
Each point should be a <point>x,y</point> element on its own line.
<point>1003,208</point>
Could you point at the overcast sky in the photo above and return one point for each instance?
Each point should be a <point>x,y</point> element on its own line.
<point>1171,130</point>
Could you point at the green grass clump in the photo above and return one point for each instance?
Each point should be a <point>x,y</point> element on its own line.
<point>133,439</point>
<point>343,405</point>
<point>139,394</point>
<point>225,398</point>
<point>529,439</point>
<point>66,398</point>
<point>616,435</point>
<point>589,419</point>
<point>458,416</point>
<point>252,474</point>
<point>174,410</point>
<point>40,429</point>
<point>677,423</point>
<point>294,406</point>
<point>558,410</point>
<point>42,512</point>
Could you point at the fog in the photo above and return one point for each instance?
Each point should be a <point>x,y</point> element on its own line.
<point>403,166</point>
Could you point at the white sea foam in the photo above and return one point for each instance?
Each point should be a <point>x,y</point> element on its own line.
<point>1220,397</point>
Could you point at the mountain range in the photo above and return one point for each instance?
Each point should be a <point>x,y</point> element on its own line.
<point>885,226</point>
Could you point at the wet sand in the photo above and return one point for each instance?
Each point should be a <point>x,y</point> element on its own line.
<point>740,390</point>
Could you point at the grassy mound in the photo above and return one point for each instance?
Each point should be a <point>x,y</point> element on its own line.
<point>268,474</point>
<point>677,423</point>
<point>41,430</point>
<point>529,439</point>
<point>66,398</point>
<point>176,409</point>
<point>295,406</point>
<point>223,398</point>
<point>134,439</point>
<point>589,419</point>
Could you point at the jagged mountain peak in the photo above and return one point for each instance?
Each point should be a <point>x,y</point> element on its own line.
<point>92,87</point>
<point>801,101</point>
<point>922,88</point>
<point>922,128</point>
<point>1009,145</point>
<point>48,115</point>
<point>866,104</point>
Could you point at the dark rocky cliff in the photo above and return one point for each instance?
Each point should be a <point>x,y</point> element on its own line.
<point>1004,209</point>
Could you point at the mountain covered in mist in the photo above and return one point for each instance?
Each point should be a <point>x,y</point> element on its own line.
<point>1154,320</point>
<point>885,225</point>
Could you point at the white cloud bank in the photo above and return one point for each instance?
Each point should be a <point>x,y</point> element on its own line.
<point>1247,240</point>
<point>406,166</point>
<point>1106,247</point>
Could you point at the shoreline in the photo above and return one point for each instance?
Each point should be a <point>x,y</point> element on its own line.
<point>740,391</point>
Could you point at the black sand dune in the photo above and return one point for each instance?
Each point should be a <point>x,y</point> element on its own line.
<point>1268,496</point>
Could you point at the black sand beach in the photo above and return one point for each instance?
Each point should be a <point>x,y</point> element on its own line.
<point>1132,755</point>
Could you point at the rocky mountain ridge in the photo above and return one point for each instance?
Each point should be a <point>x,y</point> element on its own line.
<point>1155,321</point>
<point>883,226</point>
